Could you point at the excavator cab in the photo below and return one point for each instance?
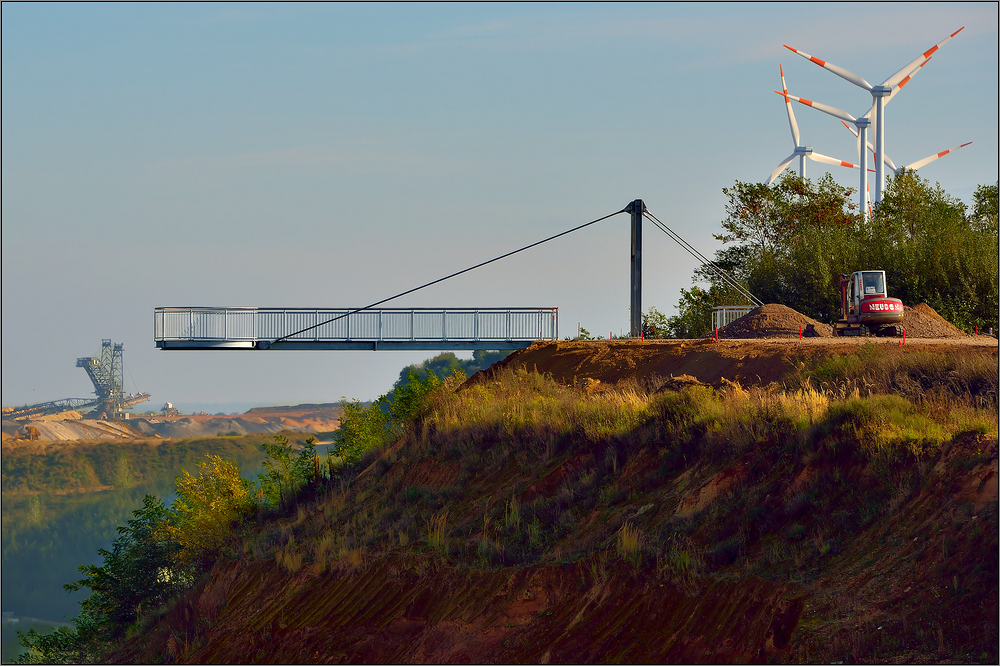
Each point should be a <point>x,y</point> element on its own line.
<point>873,283</point>
<point>867,307</point>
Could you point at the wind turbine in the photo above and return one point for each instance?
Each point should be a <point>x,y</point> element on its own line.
<point>880,95</point>
<point>802,152</point>
<point>862,125</point>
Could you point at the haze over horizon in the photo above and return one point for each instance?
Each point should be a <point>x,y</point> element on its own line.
<point>314,155</point>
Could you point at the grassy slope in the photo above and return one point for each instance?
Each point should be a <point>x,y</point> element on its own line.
<point>523,520</point>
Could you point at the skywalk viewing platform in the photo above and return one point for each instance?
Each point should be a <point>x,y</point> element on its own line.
<point>445,329</point>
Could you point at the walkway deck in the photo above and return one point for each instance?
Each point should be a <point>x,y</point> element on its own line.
<point>189,328</point>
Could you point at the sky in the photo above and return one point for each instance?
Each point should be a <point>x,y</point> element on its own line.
<point>331,155</point>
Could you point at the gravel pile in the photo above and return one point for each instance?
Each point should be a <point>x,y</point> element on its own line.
<point>922,321</point>
<point>773,320</point>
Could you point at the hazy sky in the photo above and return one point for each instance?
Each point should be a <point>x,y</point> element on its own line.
<point>332,155</point>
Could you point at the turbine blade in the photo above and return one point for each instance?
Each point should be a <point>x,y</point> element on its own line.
<point>781,167</point>
<point>788,107</point>
<point>907,79</point>
<point>885,158</point>
<point>931,158</point>
<point>839,71</point>
<point>913,65</point>
<point>825,108</point>
<point>817,157</point>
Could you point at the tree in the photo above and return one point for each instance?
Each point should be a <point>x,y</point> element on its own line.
<point>140,571</point>
<point>934,252</point>
<point>654,324</point>
<point>286,471</point>
<point>139,574</point>
<point>362,427</point>
<point>206,509</point>
<point>789,244</point>
<point>694,314</point>
<point>984,209</point>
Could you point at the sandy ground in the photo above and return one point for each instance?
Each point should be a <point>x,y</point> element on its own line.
<point>70,427</point>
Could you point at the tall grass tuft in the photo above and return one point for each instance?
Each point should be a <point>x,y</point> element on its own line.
<point>436,531</point>
<point>629,542</point>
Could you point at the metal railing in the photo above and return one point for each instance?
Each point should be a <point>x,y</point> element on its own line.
<point>724,315</point>
<point>306,328</point>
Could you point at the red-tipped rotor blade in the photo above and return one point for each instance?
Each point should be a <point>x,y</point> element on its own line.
<point>826,159</point>
<point>908,78</point>
<point>781,167</point>
<point>839,71</point>
<point>931,158</point>
<point>788,107</point>
<point>911,66</point>
<point>819,106</point>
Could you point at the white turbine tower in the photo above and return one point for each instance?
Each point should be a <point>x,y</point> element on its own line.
<point>880,95</point>
<point>801,151</point>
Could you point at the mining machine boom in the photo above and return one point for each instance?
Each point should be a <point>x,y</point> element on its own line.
<point>107,374</point>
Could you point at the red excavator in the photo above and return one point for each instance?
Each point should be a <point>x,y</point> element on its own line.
<point>866,308</point>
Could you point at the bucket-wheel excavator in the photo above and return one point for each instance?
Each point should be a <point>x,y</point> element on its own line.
<point>107,373</point>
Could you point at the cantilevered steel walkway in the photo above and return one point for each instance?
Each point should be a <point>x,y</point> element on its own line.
<point>401,329</point>
<point>368,329</point>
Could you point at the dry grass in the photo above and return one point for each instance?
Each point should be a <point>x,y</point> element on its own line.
<point>437,532</point>
<point>630,541</point>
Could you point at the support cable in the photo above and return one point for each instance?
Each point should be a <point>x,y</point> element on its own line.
<point>448,277</point>
<point>690,249</point>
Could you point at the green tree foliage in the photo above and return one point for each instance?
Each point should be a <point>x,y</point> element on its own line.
<point>362,427</point>
<point>790,242</point>
<point>367,426</point>
<point>286,471</point>
<point>694,313</point>
<point>933,252</point>
<point>140,573</point>
<point>447,363</point>
<point>140,570</point>
<point>654,324</point>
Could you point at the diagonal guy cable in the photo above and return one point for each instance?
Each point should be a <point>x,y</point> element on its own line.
<point>447,277</point>
<point>726,277</point>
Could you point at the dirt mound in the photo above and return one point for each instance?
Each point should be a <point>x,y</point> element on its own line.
<point>775,321</point>
<point>922,321</point>
<point>600,365</point>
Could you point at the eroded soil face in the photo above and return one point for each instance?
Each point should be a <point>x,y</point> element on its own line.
<point>413,610</point>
